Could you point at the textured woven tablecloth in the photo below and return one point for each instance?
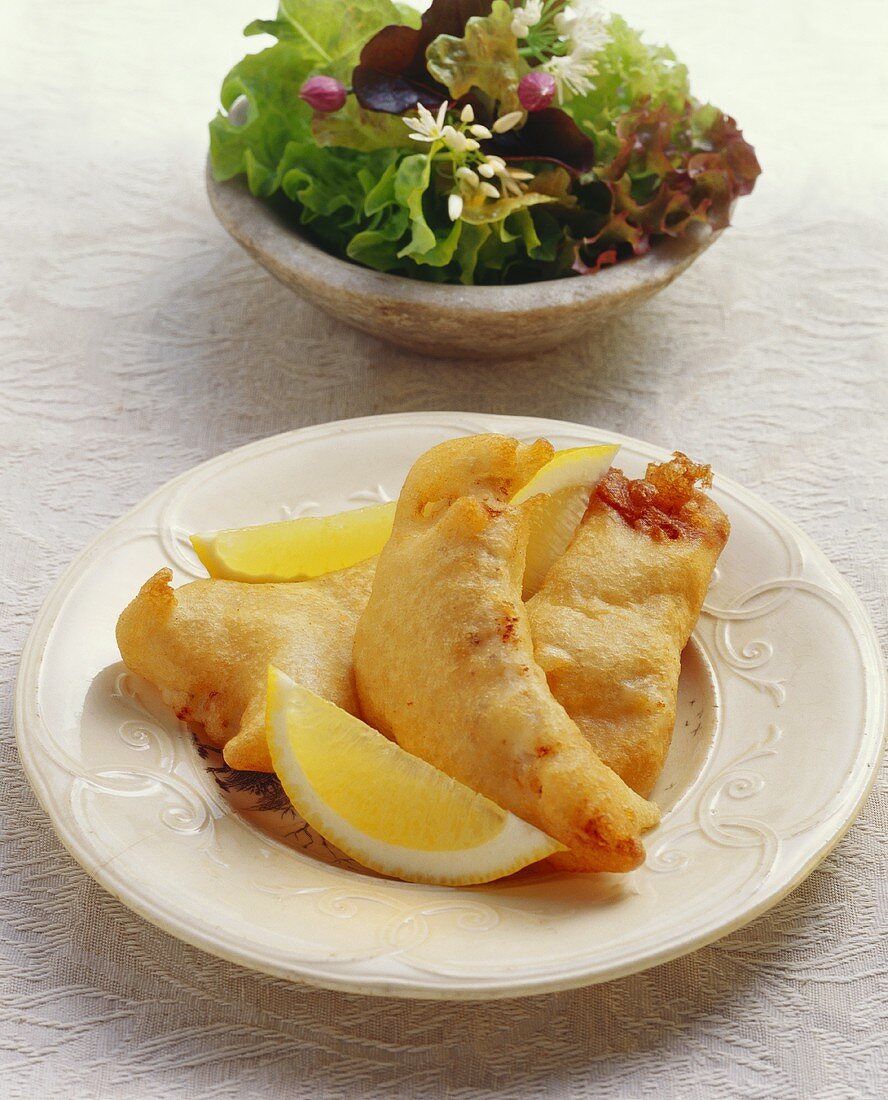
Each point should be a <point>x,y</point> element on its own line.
<point>136,340</point>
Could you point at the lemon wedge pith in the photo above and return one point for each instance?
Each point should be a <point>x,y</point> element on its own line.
<point>296,549</point>
<point>387,809</point>
<point>567,482</point>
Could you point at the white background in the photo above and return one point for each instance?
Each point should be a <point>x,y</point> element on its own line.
<point>137,340</point>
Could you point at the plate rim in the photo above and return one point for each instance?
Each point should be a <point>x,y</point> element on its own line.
<point>480,988</point>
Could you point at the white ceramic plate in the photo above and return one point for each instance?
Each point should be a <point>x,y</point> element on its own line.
<point>779,733</point>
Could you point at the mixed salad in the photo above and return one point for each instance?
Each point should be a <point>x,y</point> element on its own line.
<point>485,142</point>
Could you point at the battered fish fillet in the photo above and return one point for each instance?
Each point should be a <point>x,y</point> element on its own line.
<point>444,658</point>
<point>207,647</point>
<point>617,609</point>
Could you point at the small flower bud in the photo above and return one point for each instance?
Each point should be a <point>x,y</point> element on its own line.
<point>323,93</point>
<point>536,90</point>
<point>455,141</point>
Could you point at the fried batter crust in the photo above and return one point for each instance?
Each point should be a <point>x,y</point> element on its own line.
<point>444,658</point>
<point>207,647</point>
<point>615,611</point>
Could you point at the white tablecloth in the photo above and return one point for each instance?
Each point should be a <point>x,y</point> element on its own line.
<point>136,339</point>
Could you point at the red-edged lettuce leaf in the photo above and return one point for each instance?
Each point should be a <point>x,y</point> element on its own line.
<point>672,170</point>
<point>392,76</point>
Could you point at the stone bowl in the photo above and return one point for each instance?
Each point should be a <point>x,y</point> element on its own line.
<point>454,322</point>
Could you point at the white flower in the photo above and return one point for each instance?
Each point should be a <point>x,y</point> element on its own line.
<point>583,28</point>
<point>455,206</point>
<point>525,18</point>
<point>507,122</point>
<point>581,19</point>
<point>480,131</point>
<point>589,36</point>
<point>467,114</point>
<point>573,74</point>
<point>428,127</point>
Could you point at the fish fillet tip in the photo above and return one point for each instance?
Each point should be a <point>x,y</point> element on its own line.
<point>246,754</point>
<point>617,857</point>
<point>153,605</point>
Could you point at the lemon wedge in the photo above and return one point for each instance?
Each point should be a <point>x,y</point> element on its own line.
<point>296,549</point>
<point>386,809</point>
<point>567,482</point>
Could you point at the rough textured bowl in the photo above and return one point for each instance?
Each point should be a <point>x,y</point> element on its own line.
<point>447,321</point>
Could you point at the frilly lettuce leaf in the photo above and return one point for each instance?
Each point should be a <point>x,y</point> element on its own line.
<point>333,33</point>
<point>663,162</point>
<point>323,184</point>
<point>313,36</point>
<point>672,169</point>
<point>275,115</point>
<point>382,209</point>
<point>486,57</point>
<point>359,129</point>
<point>392,75</point>
<point>432,243</point>
<point>412,180</point>
<point>632,162</point>
<point>629,72</point>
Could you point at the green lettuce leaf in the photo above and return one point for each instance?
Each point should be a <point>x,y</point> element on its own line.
<point>486,58</point>
<point>634,161</point>
<point>433,240</point>
<point>269,82</point>
<point>313,37</point>
<point>468,249</point>
<point>503,208</point>
<point>411,183</point>
<point>356,128</point>
<point>331,32</point>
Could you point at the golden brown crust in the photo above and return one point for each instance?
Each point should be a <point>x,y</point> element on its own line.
<point>616,610</point>
<point>666,503</point>
<point>448,663</point>
<point>444,658</point>
<point>207,645</point>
